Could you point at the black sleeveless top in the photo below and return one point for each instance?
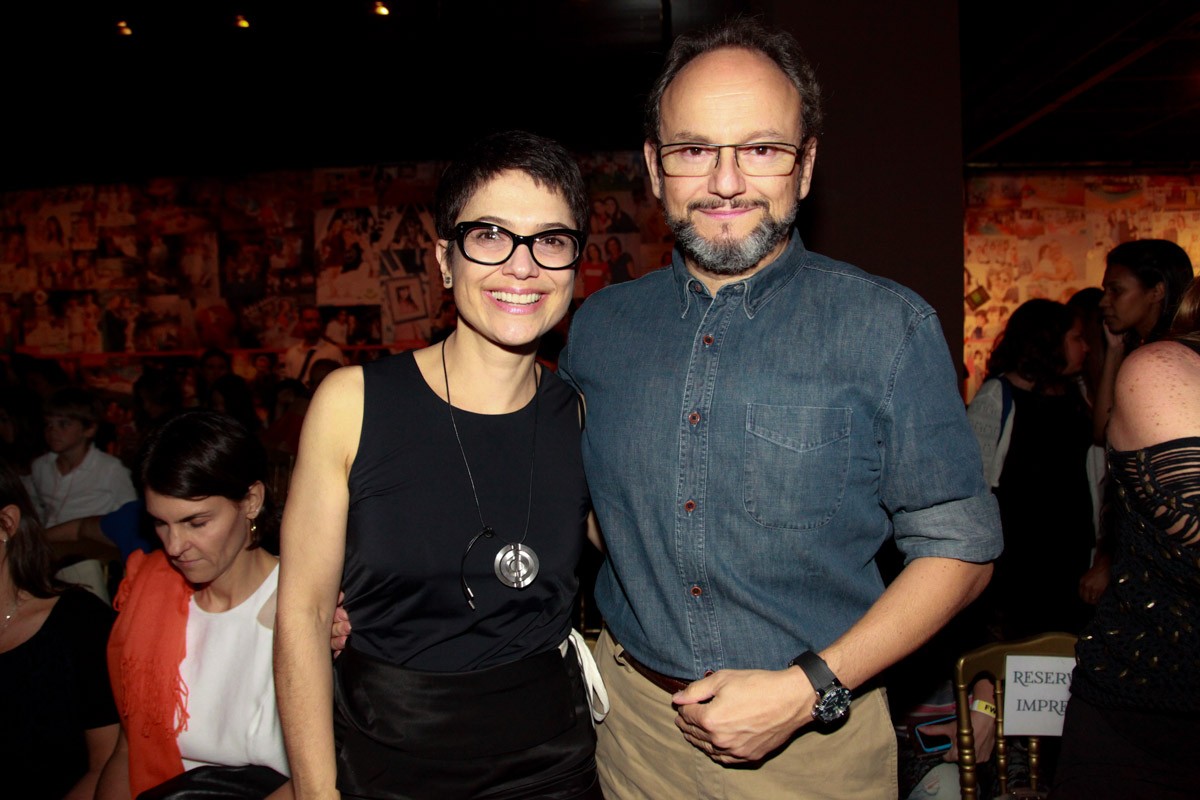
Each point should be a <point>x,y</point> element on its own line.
<point>412,515</point>
<point>1142,649</point>
<point>1046,510</point>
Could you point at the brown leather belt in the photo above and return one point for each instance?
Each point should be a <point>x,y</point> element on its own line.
<point>665,682</point>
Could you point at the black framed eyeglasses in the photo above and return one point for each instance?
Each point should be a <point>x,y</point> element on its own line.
<point>491,244</point>
<point>700,159</point>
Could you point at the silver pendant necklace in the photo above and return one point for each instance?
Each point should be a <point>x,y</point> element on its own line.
<point>516,564</point>
<point>12,611</point>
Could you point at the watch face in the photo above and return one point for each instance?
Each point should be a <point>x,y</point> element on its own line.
<point>832,705</point>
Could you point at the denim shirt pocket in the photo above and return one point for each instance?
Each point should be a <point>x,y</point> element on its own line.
<point>795,464</point>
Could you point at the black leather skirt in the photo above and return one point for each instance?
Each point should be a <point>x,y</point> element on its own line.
<point>519,730</point>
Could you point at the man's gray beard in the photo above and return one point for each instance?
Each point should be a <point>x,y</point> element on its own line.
<point>730,256</point>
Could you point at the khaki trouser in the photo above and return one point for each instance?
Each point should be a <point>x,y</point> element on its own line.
<point>641,754</point>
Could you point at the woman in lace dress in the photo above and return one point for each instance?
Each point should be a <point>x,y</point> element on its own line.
<point>1134,715</point>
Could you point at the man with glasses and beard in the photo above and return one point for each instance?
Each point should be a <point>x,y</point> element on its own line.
<point>760,420</point>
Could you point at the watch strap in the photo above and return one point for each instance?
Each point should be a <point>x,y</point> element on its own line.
<point>819,674</point>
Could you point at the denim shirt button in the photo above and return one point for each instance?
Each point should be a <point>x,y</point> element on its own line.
<point>689,506</point>
<point>697,591</point>
<point>708,339</point>
<point>694,417</point>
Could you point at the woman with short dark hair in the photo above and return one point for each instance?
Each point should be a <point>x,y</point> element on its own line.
<point>443,490</point>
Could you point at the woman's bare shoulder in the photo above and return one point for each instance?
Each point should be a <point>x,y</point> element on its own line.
<point>1157,396</point>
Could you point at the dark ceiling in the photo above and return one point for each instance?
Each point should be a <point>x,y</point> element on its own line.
<point>1045,84</point>
<point>1069,84</point>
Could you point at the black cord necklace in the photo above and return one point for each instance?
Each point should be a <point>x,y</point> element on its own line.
<point>515,565</point>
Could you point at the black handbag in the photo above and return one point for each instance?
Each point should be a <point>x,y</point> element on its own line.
<point>218,783</point>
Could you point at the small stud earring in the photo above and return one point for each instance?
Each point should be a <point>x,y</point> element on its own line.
<point>447,280</point>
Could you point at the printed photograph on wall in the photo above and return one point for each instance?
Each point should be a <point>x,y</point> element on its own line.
<point>618,253</point>
<point>345,242</point>
<point>243,265</point>
<point>410,237</point>
<point>352,326</point>
<point>398,185</point>
<point>271,322</point>
<point>115,205</point>
<point>405,299</point>
<point>10,322</point>
<point>118,321</point>
<point>16,272</point>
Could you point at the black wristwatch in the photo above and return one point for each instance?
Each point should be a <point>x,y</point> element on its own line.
<point>833,699</point>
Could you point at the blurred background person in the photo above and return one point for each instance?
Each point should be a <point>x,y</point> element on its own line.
<point>230,394</point>
<point>58,724</point>
<point>313,346</point>
<point>1143,282</point>
<point>1034,432</point>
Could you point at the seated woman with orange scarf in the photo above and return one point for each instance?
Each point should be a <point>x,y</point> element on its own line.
<point>190,653</point>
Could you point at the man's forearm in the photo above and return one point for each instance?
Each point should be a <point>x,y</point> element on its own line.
<point>919,602</point>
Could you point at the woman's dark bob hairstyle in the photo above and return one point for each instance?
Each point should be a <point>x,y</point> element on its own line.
<point>206,454</point>
<point>1032,344</point>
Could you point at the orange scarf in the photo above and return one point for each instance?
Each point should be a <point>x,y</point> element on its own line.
<point>145,650</point>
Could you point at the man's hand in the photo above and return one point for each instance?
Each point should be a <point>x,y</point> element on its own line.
<point>341,627</point>
<point>736,716</point>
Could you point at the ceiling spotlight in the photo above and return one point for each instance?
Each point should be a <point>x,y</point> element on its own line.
<point>124,29</point>
<point>241,22</point>
<point>381,9</point>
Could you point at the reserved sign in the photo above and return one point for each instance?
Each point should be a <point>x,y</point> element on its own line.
<point>1036,690</point>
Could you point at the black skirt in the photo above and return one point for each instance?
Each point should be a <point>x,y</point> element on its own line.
<point>1116,754</point>
<point>518,730</point>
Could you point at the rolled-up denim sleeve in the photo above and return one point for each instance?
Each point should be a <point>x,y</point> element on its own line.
<point>932,483</point>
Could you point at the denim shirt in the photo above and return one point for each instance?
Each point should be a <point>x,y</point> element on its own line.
<point>749,452</point>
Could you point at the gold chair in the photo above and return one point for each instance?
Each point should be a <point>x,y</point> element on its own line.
<point>989,660</point>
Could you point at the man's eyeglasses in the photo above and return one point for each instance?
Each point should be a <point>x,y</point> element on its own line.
<point>490,244</point>
<point>698,159</point>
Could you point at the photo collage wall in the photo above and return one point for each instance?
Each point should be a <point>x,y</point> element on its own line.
<point>103,277</point>
<point>1046,236</point>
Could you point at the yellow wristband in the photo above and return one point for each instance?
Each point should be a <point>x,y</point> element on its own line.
<point>984,707</point>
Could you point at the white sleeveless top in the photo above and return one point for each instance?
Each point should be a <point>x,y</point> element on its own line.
<point>233,720</point>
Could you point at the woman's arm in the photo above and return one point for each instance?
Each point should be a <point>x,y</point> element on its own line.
<point>101,744</point>
<point>82,536</point>
<point>1102,403</point>
<point>312,550</point>
<point>114,778</point>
